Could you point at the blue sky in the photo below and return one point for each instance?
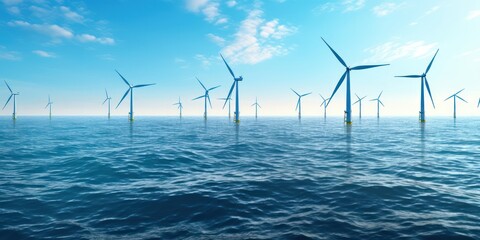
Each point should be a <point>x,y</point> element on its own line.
<point>69,49</point>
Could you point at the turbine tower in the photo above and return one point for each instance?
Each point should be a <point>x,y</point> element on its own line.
<point>424,82</point>
<point>256,107</point>
<point>108,98</point>
<point>130,90</point>
<point>455,96</point>
<point>49,104</point>
<point>299,103</point>
<point>348,112</point>
<point>234,85</point>
<point>378,104</point>
<point>229,100</point>
<point>180,106</point>
<point>206,96</point>
<point>359,101</point>
<point>324,104</point>
<point>12,94</point>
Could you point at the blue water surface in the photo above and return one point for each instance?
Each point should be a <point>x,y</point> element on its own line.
<point>271,178</point>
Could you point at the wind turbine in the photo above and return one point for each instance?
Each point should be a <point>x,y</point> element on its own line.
<point>49,104</point>
<point>378,104</point>
<point>130,89</point>
<point>478,105</point>
<point>299,103</point>
<point>14,115</point>
<point>359,101</point>
<point>180,106</point>
<point>324,104</point>
<point>348,112</point>
<point>108,98</point>
<point>424,81</point>
<point>256,107</point>
<point>234,85</point>
<point>455,96</point>
<point>206,97</point>
<point>229,100</point>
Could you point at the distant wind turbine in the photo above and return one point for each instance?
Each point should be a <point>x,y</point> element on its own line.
<point>455,96</point>
<point>206,96</point>
<point>12,94</point>
<point>359,101</point>
<point>256,107</point>
<point>378,103</point>
<point>348,112</point>
<point>424,81</point>
<point>49,104</point>
<point>299,103</point>
<point>234,85</point>
<point>130,90</point>
<point>229,100</point>
<point>324,104</point>
<point>180,106</point>
<point>478,105</point>
<point>107,98</point>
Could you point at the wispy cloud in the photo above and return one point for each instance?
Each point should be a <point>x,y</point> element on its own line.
<point>9,55</point>
<point>386,8</point>
<point>71,15</point>
<point>51,30</point>
<point>204,60</point>
<point>473,14</point>
<point>11,2</point>
<point>182,63</point>
<point>209,8</point>
<point>231,3</point>
<point>430,11</point>
<point>216,39</point>
<point>44,54</point>
<point>353,5</point>
<point>256,41</point>
<point>92,38</point>
<point>471,54</point>
<point>391,51</point>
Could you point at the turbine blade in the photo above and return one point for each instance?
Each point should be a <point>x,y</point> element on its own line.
<point>338,85</point>
<point>478,104</point>
<point>352,104</point>
<point>448,97</point>
<point>208,97</point>
<point>410,76</point>
<point>143,85</point>
<point>459,91</point>
<point>357,96</point>
<point>322,97</point>
<point>198,97</point>
<point>9,87</point>
<point>104,101</point>
<point>259,105</point>
<point>462,99</point>
<point>362,67</point>
<point>7,101</point>
<point>229,93</point>
<point>380,95</point>
<point>298,103</point>
<point>430,65</point>
<point>229,69</point>
<point>295,92</point>
<point>125,80</point>
<point>210,89</point>
<point>305,94</point>
<point>124,95</point>
<point>253,105</point>
<point>201,83</point>
<point>363,97</point>
<point>381,102</point>
<point>106,93</point>
<point>430,93</point>
<point>335,53</point>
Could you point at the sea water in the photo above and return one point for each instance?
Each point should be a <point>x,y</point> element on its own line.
<point>280,178</point>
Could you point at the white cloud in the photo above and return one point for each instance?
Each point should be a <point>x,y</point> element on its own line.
<point>385,9</point>
<point>11,2</point>
<point>209,8</point>
<point>53,31</point>
<point>216,39</point>
<point>256,41</point>
<point>181,62</point>
<point>473,14</point>
<point>92,38</point>
<point>13,10</point>
<point>44,54</point>
<point>391,51</point>
<point>353,5</point>
<point>71,15</point>
<point>206,61</point>
<point>432,10</point>
<point>9,55</point>
<point>231,3</point>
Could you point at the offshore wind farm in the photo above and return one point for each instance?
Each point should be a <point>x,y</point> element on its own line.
<point>199,153</point>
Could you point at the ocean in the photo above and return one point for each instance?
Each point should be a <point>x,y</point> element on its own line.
<point>271,178</point>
